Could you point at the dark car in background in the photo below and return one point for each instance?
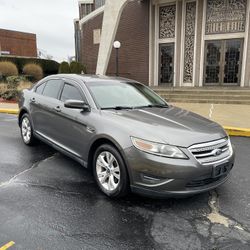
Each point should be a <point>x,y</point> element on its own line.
<point>127,135</point>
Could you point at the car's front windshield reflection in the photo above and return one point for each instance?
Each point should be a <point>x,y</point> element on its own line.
<point>124,95</point>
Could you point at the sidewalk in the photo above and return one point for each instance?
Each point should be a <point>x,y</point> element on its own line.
<point>234,118</point>
<point>8,105</point>
<point>225,114</point>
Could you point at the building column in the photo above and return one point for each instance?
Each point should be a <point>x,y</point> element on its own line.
<point>245,80</point>
<point>179,27</point>
<point>112,13</point>
<point>199,44</point>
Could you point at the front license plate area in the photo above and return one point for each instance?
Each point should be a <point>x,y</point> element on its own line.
<point>222,169</point>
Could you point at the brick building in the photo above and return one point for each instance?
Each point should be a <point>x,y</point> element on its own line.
<point>168,42</point>
<point>15,43</point>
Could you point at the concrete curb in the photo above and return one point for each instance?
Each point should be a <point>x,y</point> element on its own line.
<point>233,131</point>
<point>9,111</point>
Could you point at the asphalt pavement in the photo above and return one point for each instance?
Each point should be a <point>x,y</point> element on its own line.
<point>48,201</point>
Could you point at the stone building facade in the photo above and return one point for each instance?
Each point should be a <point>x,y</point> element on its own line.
<point>15,43</point>
<point>173,42</point>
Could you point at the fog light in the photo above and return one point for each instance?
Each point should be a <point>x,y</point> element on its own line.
<point>149,179</point>
<point>153,181</point>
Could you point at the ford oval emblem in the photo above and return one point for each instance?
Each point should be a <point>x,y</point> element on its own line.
<point>217,152</point>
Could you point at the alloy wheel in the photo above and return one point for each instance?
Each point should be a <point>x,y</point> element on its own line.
<point>108,171</point>
<point>26,130</point>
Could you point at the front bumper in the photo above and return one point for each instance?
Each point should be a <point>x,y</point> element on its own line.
<point>157,176</point>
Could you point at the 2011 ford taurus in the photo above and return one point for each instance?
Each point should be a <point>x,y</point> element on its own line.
<point>129,136</point>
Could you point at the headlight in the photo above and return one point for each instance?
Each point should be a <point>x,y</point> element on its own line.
<point>158,149</point>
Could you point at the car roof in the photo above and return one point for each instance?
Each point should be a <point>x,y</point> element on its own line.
<point>92,78</point>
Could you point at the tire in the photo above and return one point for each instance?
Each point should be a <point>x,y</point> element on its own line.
<point>110,171</point>
<point>27,131</point>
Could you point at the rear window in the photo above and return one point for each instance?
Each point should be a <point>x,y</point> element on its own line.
<point>52,88</point>
<point>39,89</point>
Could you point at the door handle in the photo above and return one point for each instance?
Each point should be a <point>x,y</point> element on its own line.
<point>57,109</point>
<point>33,99</point>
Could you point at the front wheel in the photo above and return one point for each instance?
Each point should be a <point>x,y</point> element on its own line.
<point>110,171</point>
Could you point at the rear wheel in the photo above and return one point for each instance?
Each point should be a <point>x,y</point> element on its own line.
<point>27,131</point>
<point>110,172</point>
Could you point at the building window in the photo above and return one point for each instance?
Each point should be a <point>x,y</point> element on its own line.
<point>97,36</point>
<point>167,21</point>
<point>226,16</point>
<point>166,61</point>
<point>189,42</point>
<point>99,3</point>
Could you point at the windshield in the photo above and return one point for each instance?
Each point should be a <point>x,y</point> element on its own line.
<point>123,95</point>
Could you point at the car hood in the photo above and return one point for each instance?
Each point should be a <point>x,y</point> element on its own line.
<point>171,125</point>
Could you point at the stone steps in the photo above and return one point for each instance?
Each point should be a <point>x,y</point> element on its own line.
<point>223,101</point>
<point>200,96</point>
<point>206,95</point>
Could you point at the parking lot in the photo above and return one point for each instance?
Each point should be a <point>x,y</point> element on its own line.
<point>48,201</point>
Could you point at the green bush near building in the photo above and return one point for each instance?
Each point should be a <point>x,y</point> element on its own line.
<point>64,68</point>
<point>73,68</point>
<point>77,68</point>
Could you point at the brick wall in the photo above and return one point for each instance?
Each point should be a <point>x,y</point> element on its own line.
<point>89,50</point>
<point>18,43</point>
<point>133,33</point>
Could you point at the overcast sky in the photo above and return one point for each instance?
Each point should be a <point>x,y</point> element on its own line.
<point>50,20</point>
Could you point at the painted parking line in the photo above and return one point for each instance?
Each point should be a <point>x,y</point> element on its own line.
<point>8,245</point>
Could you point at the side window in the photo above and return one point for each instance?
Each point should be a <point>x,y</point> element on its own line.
<point>39,89</point>
<point>70,93</point>
<point>52,88</point>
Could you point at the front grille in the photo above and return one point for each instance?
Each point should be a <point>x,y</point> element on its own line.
<point>211,152</point>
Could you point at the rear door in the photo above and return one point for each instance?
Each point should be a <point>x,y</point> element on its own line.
<point>44,105</point>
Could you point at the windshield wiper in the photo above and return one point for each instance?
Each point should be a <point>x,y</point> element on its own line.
<point>118,107</point>
<point>154,106</point>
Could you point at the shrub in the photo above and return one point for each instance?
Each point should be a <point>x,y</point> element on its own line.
<point>34,70</point>
<point>11,94</point>
<point>24,85</point>
<point>77,68</point>
<point>49,67</point>
<point>3,87</point>
<point>74,67</point>
<point>8,69</point>
<point>13,81</point>
<point>64,68</point>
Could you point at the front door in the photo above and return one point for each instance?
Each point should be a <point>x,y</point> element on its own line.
<point>166,64</point>
<point>223,59</point>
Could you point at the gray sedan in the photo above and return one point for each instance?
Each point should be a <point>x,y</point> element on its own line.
<point>127,135</point>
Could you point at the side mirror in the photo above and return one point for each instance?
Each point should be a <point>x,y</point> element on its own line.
<point>75,104</point>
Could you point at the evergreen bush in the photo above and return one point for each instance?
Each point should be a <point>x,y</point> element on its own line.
<point>64,68</point>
